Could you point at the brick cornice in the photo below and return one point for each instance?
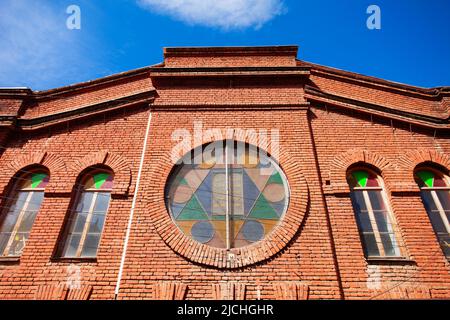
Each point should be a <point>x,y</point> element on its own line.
<point>90,85</point>
<point>223,51</point>
<point>360,79</point>
<point>85,111</point>
<point>263,250</point>
<point>313,94</point>
<point>221,107</point>
<point>229,71</point>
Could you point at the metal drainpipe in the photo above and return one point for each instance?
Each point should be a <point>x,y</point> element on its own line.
<point>133,205</point>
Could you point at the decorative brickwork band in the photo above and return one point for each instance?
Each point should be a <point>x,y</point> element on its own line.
<point>229,291</point>
<point>82,293</point>
<point>404,293</point>
<point>169,291</point>
<point>62,292</point>
<point>51,292</point>
<point>291,291</point>
<point>118,164</point>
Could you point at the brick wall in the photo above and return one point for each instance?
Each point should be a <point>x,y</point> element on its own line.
<point>316,255</point>
<point>428,267</point>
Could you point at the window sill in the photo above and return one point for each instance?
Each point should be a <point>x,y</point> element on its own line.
<point>9,260</point>
<point>74,260</point>
<point>389,260</point>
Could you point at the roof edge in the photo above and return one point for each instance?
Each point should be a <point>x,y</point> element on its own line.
<point>91,83</point>
<point>374,81</point>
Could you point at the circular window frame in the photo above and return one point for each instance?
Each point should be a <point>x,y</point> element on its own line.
<point>222,258</point>
<point>178,167</point>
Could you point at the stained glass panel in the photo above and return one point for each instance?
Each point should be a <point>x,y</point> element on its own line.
<point>198,203</point>
<point>362,179</point>
<point>99,180</point>
<point>35,180</point>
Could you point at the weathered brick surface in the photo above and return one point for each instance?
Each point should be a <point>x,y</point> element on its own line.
<point>315,253</point>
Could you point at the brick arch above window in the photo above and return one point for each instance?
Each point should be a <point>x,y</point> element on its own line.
<point>234,258</point>
<point>409,161</point>
<point>21,163</point>
<point>117,163</point>
<point>342,162</point>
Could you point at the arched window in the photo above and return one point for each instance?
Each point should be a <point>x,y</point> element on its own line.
<point>434,187</point>
<point>20,211</point>
<point>375,222</point>
<point>87,216</point>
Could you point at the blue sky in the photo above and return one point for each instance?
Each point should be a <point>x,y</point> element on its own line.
<point>38,51</point>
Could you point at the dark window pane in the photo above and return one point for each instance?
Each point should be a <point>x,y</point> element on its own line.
<point>383,222</point>
<point>84,202</point>
<point>444,241</point>
<point>13,213</point>
<point>358,201</point>
<point>35,201</point>
<point>90,245</point>
<point>444,198</point>
<point>27,221</point>
<point>436,221</point>
<point>389,244</point>
<point>4,237</point>
<point>79,222</point>
<point>18,244</point>
<point>102,202</point>
<point>72,245</point>
<point>428,200</point>
<point>376,200</point>
<point>370,245</point>
<point>97,221</point>
<point>436,218</point>
<point>364,222</point>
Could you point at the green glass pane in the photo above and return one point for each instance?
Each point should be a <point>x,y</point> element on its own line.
<point>183,182</point>
<point>361,177</point>
<point>99,179</point>
<point>36,179</point>
<point>193,211</point>
<point>427,177</point>
<point>263,210</point>
<point>275,178</point>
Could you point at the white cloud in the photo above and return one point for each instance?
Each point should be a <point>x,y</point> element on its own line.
<point>36,48</point>
<point>225,14</point>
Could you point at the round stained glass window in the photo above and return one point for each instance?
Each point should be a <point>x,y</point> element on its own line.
<point>227,194</point>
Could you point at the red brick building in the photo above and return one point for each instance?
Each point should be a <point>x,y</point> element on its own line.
<point>350,200</point>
